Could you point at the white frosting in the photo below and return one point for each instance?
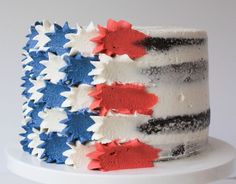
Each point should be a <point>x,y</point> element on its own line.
<point>35,142</point>
<point>37,84</point>
<point>117,69</point>
<point>77,98</point>
<point>175,55</point>
<point>125,128</point>
<point>52,68</point>
<point>80,41</point>
<point>41,37</point>
<point>27,58</point>
<point>76,156</point>
<point>172,32</point>
<point>52,119</point>
<point>180,99</point>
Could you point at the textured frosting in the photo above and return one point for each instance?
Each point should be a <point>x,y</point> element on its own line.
<point>116,96</point>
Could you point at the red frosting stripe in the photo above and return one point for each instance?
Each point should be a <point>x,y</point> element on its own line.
<point>119,38</point>
<point>122,98</point>
<point>128,155</point>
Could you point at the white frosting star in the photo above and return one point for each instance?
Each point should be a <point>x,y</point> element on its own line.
<point>37,84</point>
<point>80,41</point>
<point>41,37</point>
<point>76,156</point>
<point>120,68</point>
<point>52,119</point>
<point>27,60</point>
<point>53,65</point>
<point>35,142</point>
<point>77,98</point>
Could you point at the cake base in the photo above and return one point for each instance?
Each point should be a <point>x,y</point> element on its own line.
<point>215,163</point>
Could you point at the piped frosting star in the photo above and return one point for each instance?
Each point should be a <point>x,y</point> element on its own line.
<point>54,145</point>
<point>80,41</point>
<point>52,70</point>
<point>58,39</point>
<point>76,156</point>
<point>35,94</point>
<point>52,119</point>
<point>51,94</point>
<point>77,98</point>
<point>77,125</point>
<point>25,141</point>
<point>119,38</point>
<point>33,32</point>
<point>41,38</point>
<point>77,69</point>
<point>120,68</point>
<point>128,155</point>
<point>35,141</point>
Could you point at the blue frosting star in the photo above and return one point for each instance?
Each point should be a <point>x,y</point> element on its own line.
<point>35,121</point>
<point>77,125</point>
<point>25,141</point>
<point>37,67</point>
<point>33,32</point>
<point>77,69</point>
<point>26,85</point>
<point>51,94</point>
<point>58,39</point>
<point>54,145</point>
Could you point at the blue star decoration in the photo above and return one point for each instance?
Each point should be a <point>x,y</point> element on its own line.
<point>37,67</point>
<point>77,69</point>
<point>27,84</point>
<point>58,39</point>
<point>77,125</point>
<point>54,145</point>
<point>25,141</point>
<point>35,121</point>
<point>33,32</point>
<point>51,94</point>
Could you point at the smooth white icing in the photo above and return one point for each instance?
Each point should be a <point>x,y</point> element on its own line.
<point>175,100</point>
<point>172,32</point>
<point>52,68</point>
<point>52,119</point>
<point>175,55</point>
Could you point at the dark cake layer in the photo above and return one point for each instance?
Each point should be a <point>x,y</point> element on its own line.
<point>177,124</point>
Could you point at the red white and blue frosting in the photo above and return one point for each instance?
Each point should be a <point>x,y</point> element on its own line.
<point>116,96</point>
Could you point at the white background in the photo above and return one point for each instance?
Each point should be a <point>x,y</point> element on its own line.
<point>215,16</point>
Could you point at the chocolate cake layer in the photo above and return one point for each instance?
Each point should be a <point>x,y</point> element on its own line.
<point>174,73</point>
<point>163,44</point>
<point>177,124</point>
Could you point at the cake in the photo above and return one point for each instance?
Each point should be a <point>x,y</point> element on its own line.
<point>114,97</point>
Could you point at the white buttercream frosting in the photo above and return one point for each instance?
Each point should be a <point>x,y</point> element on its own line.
<point>77,98</point>
<point>52,119</point>
<point>37,84</point>
<point>76,156</point>
<point>41,37</point>
<point>52,68</point>
<point>35,142</point>
<point>80,41</point>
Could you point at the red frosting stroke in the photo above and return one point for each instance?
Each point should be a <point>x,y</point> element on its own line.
<point>119,38</point>
<point>128,155</point>
<point>122,98</point>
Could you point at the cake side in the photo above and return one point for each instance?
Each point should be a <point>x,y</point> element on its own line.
<point>92,91</point>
